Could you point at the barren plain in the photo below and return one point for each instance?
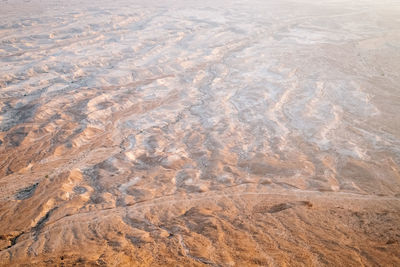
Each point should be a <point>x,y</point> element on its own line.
<point>200,133</point>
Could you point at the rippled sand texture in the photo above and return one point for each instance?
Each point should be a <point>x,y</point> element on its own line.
<point>238,133</point>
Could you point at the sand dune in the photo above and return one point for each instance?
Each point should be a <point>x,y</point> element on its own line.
<point>180,133</point>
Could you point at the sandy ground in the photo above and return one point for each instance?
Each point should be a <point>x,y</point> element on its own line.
<point>180,133</point>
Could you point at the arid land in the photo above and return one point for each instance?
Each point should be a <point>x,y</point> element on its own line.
<point>196,133</point>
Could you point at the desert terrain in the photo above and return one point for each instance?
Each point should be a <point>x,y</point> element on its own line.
<point>199,133</point>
